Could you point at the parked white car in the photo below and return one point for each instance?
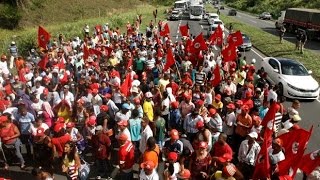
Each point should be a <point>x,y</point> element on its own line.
<point>215,24</point>
<point>294,80</point>
<point>212,17</point>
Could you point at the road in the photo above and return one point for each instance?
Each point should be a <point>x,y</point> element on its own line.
<point>269,26</point>
<point>309,111</point>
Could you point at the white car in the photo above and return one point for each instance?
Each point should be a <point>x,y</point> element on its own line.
<point>265,15</point>
<point>212,17</point>
<point>294,80</point>
<point>215,24</point>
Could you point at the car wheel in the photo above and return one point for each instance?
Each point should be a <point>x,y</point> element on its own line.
<point>280,90</point>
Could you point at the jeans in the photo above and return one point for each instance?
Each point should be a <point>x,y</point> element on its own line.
<point>17,145</point>
<point>126,176</point>
<point>26,139</point>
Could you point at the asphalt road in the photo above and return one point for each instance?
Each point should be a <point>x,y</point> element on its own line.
<point>309,110</point>
<point>269,26</point>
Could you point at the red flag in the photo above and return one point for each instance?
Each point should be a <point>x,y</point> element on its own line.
<point>184,30</point>
<point>229,53</point>
<point>43,62</point>
<point>235,39</point>
<point>86,52</point>
<point>64,79</point>
<point>129,63</point>
<point>294,145</point>
<point>216,77</point>
<point>126,85</point>
<point>98,29</point>
<point>62,64</point>
<point>96,52</point>
<point>169,60</point>
<point>188,46</point>
<point>270,115</point>
<point>109,49</point>
<point>217,36</point>
<point>262,165</point>
<point>310,161</point>
<point>43,37</point>
<point>165,30</point>
<point>198,44</point>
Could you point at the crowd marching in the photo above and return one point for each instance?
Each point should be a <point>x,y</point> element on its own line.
<point>141,98</point>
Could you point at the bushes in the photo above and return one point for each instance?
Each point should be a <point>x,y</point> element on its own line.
<point>9,16</point>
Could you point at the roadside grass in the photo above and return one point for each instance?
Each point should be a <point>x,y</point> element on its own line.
<point>27,38</point>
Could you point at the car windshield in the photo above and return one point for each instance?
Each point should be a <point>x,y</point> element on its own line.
<point>175,12</point>
<point>293,68</point>
<point>196,10</point>
<point>218,22</point>
<point>214,17</point>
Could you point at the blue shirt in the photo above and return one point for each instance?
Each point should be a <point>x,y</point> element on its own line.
<point>263,111</point>
<point>175,118</point>
<point>135,129</point>
<point>25,122</point>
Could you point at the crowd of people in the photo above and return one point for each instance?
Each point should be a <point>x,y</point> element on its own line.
<point>111,96</point>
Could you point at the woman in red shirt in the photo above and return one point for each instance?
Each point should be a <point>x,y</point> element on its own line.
<point>9,135</point>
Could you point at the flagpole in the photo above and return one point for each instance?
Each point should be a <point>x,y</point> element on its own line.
<point>178,70</point>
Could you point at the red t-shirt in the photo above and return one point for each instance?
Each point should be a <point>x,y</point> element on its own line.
<point>59,143</point>
<point>219,150</point>
<point>248,102</point>
<point>126,155</point>
<point>174,86</point>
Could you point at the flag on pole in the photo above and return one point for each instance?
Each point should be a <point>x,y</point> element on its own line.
<point>184,30</point>
<point>43,37</point>
<point>216,77</point>
<point>310,161</point>
<point>217,36</point>
<point>235,39</point>
<point>199,44</point>
<point>229,53</point>
<point>126,85</point>
<point>43,62</point>
<point>165,30</point>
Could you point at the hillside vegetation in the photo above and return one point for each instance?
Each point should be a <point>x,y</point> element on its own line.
<point>272,6</point>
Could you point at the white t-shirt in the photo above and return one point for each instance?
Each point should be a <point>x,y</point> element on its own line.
<point>230,121</point>
<point>153,176</point>
<point>120,116</point>
<point>146,133</point>
<point>176,167</point>
<point>276,158</point>
<point>33,130</point>
<point>166,103</point>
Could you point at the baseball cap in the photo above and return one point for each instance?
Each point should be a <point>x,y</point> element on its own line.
<point>70,125</point>
<point>231,106</point>
<point>185,174</point>
<point>174,134</point>
<point>253,135</point>
<point>218,97</point>
<point>104,108</point>
<point>57,128</point>
<point>212,111</point>
<point>175,104</point>
<point>134,89</point>
<point>123,123</point>
<point>45,91</point>
<point>3,119</point>
<point>199,125</point>
<point>239,102</point>
<point>149,165</point>
<point>200,102</point>
<point>40,132</point>
<point>91,121</point>
<point>107,95</point>
<point>173,156</point>
<point>126,106</point>
<point>95,91</point>
<point>148,95</point>
<point>245,108</point>
<point>60,120</point>
<point>278,141</point>
<point>136,101</point>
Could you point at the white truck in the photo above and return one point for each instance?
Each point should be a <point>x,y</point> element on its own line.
<point>196,10</point>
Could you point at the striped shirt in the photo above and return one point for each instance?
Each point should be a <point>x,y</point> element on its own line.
<point>200,78</point>
<point>277,122</point>
<point>190,123</point>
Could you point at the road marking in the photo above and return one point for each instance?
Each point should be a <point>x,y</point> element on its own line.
<point>177,37</point>
<point>201,26</point>
<point>257,53</point>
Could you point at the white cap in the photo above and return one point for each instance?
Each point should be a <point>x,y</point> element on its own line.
<point>148,95</point>
<point>253,135</point>
<point>134,89</point>
<point>253,61</point>
<point>13,42</point>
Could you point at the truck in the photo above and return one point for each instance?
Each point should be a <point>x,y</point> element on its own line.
<point>301,19</point>
<point>180,6</point>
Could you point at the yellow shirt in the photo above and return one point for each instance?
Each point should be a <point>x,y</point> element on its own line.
<point>218,105</point>
<point>148,109</point>
<point>218,176</point>
<point>240,77</point>
<point>113,61</point>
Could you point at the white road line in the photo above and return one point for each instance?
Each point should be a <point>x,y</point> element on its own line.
<point>201,26</point>
<point>177,37</point>
<point>257,53</point>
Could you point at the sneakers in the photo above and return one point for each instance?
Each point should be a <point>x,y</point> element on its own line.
<point>23,166</point>
<point>98,177</point>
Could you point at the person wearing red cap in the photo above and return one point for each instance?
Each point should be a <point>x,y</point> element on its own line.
<point>148,171</point>
<point>112,107</point>
<point>276,155</point>
<point>186,106</point>
<point>175,116</point>
<point>9,135</point>
<point>229,122</point>
<point>96,101</point>
<point>123,129</point>
<point>214,123</point>
<point>217,103</point>
<point>173,144</point>
<point>172,166</point>
<point>189,124</point>
<point>228,88</point>
<point>200,162</point>
<point>59,140</point>
<point>248,99</point>
<point>126,157</point>
<point>204,134</point>
<point>244,125</point>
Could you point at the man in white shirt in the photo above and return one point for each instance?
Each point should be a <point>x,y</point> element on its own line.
<point>146,133</point>
<point>248,153</point>
<point>67,95</point>
<point>148,171</point>
<point>273,93</point>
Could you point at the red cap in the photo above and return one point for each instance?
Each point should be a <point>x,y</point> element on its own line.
<point>200,124</point>
<point>57,128</point>
<point>123,123</point>
<point>203,145</point>
<point>212,111</point>
<point>173,156</point>
<point>245,108</point>
<point>113,74</point>
<point>60,120</point>
<point>80,101</point>
<point>70,125</point>
<point>104,108</point>
<point>175,104</point>
<point>231,106</point>
<point>135,76</point>
<point>187,96</point>
<point>40,132</point>
<point>3,119</point>
<point>149,165</point>
<point>123,137</point>
<point>174,134</point>
<point>91,121</point>
<point>95,91</point>
<point>45,91</point>
<point>248,94</point>
<point>239,102</point>
<point>185,174</point>
<point>200,102</point>
<point>136,101</point>
<point>225,158</point>
<point>107,95</point>
<point>218,97</point>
